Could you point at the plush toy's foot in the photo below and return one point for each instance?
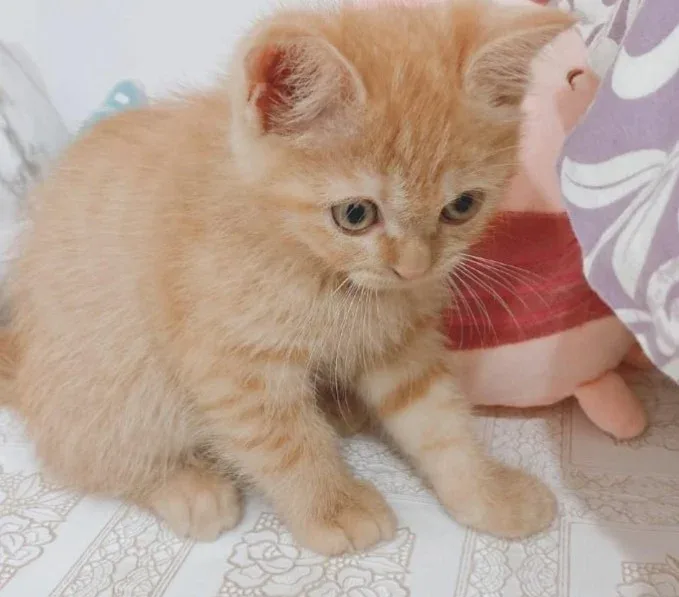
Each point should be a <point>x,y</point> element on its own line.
<point>612,406</point>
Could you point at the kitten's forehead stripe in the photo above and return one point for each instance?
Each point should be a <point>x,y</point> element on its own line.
<point>449,187</point>
<point>398,195</point>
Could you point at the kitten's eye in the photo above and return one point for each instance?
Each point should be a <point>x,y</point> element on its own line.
<point>463,208</point>
<point>355,216</point>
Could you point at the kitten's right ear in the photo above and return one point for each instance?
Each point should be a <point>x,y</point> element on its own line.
<point>299,86</point>
<point>499,71</point>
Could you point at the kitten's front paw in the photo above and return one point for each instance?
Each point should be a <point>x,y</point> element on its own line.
<point>197,504</point>
<point>356,521</point>
<point>507,503</point>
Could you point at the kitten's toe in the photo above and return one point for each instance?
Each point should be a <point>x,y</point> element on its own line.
<point>507,503</point>
<point>197,504</point>
<point>356,521</point>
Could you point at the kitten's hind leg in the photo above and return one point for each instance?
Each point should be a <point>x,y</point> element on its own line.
<point>196,502</point>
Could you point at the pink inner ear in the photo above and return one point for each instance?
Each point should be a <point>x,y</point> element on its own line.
<point>270,84</point>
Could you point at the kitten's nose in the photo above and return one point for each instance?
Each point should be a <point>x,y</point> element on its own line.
<point>414,260</point>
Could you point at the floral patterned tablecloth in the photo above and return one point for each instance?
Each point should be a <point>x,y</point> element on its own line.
<point>617,534</point>
<point>620,169</point>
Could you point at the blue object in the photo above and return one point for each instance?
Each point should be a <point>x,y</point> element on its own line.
<point>125,95</point>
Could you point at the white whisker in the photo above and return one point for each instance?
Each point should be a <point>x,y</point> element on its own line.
<point>496,295</point>
<point>492,278</point>
<point>458,296</point>
<point>498,269</point>
<point>477,300</point>
<point>519,271</point>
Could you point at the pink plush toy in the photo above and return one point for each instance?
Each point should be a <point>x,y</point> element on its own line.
<point>528,330</point>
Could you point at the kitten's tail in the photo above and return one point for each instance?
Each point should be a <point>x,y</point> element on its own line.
<point>8,361</point>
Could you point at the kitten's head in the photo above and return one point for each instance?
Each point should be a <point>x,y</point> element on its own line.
<point>382,138</point>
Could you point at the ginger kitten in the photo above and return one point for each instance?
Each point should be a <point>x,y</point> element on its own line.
<point>198,271</point>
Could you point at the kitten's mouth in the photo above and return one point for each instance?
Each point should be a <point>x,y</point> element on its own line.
<point>376,282</point>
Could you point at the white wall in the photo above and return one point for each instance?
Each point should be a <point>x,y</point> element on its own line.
<point>18,20</point>
<point>83,47</point>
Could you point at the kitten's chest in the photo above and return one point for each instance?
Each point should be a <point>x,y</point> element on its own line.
<point>358,330</point>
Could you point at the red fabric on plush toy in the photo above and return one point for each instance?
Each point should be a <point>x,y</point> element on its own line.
<point>526,329</point>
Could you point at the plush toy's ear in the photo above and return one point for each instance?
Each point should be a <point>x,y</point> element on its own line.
<point>499,70</point>
<point>299,85</point>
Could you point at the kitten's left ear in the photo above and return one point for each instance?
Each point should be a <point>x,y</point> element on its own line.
<point>499,71</point>
<point>299,86</point>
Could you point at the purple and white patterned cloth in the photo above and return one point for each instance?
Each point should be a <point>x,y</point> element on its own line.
<point>620,169</point>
